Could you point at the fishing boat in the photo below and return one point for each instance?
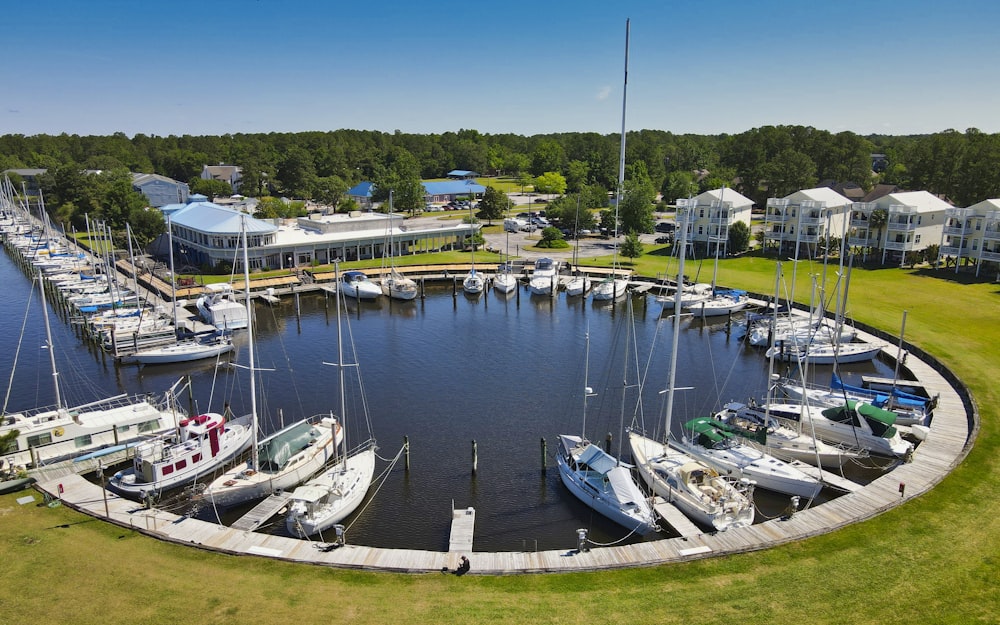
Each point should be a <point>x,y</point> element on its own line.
<point>337,491</point>
<point>219,308</point>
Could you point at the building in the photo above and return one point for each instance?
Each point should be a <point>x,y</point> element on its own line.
<point>462,174</point>
<point>972,234</point>
<point>227,173</point>
<point>30,178</point>
<point>440,191</point>
<point>713,213</point>
<point>206,234</point>
<point>805,218</point>
<point>160,190</point>
<point>913,221</point>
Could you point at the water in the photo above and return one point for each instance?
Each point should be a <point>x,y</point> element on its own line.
<point>444,372</point>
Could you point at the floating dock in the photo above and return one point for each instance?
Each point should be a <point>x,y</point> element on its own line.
<point>674,517</point>
<point>463,523</point>
<point>262,512</point>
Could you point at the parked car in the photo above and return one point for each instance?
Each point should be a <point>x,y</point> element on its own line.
<point>662,240</point>
<point>665,226</point>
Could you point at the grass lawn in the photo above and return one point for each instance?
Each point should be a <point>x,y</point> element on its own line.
<point>935,559</point>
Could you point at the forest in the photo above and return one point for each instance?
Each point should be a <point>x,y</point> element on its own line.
<point>765,162</point>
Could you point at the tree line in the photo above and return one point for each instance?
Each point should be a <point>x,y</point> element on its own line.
<point>770,161</point>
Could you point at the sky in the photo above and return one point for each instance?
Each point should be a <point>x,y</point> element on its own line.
<point>215,67</point>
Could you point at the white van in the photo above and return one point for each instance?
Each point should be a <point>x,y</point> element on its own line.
<point>513,225</point>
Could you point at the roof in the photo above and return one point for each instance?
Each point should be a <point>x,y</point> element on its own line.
<point>987,205</point>
<point>726,195</point>
<point>819,194</point>
<point>212,218</point>
<point>362,189</point>
<point>461,173</point>
<point>453,187</point>
<point>922,201</point>
<point>25,172</point>
<point>141,179</point>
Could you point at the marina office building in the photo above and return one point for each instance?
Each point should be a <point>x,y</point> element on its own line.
<point>208,234</point>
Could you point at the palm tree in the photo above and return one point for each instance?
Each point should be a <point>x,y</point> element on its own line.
<point>877,220</point>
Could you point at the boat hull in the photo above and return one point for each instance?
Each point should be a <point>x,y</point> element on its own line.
<point>329,498</point>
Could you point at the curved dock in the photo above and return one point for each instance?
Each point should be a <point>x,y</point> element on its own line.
<point>952,432</point>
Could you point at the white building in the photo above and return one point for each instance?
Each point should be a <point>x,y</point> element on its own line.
<point>713,213</point>
<point>206,234</point>
<point>972,233</point>
<point>805,218</point>
<point>914,220</point>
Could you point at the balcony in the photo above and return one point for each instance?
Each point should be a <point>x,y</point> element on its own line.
<point>774,236</point>
<point>810,220</point>
<point>899,246</point>
<point>779,218</point>
<point>861,241</point>
<point>809,238</point>
<point>900,226</point>
<point>859,223</point>
<point>956,230</point>
<point>991,234</point>
<point>953,250</point>
<point>724,220</point>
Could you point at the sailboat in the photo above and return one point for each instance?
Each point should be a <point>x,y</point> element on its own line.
<point>697,489</point>
<point>505,281</point>
<point>186,349</point>
<point>600,480</point>
<point>614,288</point>
<point>579,284</point>
<point>396,285</point>
<point>474,283</point>
<point>54,433</point>
<point>721,301</point>
<point>201,445</point>
<point>328,498</point>
<point>283,459</point>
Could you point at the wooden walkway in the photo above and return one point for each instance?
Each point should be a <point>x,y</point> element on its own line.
<point>463,523</point>
<point>263,511</point>
<point>948,442</point>
<point>672,515</point>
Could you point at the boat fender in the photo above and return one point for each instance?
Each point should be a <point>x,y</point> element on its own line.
<point>336,492</point>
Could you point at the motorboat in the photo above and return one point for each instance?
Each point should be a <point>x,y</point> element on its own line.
<point>356,284</point>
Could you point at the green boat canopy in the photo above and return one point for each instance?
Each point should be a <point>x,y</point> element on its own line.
<point>879,420</point>
<point>276,451</point>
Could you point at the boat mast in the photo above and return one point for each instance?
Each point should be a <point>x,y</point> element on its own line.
<point>173,276</point>
<point>255,458</point>
<point>715,270</point>
<point>48,338</point>
<point>621,159</point>
<point>682,223</point>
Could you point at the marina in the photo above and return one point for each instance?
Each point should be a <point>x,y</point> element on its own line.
<point>461,344</point>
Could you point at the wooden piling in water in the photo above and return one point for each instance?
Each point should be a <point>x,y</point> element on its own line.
<point>475,457</point>
<point>544,453</point>
<point>406,453</point>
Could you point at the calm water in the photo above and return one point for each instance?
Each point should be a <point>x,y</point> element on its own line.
<point>444,371</point>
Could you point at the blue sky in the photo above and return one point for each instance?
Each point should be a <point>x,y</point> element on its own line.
<point>227,66</point>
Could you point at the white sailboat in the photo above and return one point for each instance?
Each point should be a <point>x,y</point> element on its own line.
<point>201,445</point>
<point>328,498</point>
<point>395,284</point>
<point>613,287</point>
<point>474,283</point>
<point>505,281</point>
<point>721,301</point>
<point>600,480</point>
<point>580,283</point>
<point>50,434</point>
<point>283,459</point>
<point>183,349</point>
<point>698,490</point>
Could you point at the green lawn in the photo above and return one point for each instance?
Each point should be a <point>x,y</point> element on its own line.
<point>935,559</point>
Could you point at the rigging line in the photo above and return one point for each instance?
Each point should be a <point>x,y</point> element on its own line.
<point>645,374</point>
<point>24,325</point>
<point>612,543</point>
<point>383,477</point>
<point>288,363</point>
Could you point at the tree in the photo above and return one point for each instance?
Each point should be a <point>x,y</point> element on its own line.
<point>494,204</point>
<point>548,156</point>
<point>631,247</point>
<point>329,191</point>
<point>552,237</point>
<point>739,238</point>
<point>576,175</point>
<point>877,221</point>
<point>636,210</point>
<point>146,224</point>
<point>210,188</point>
<point>550,182</point>
<point>679,184</point>
<point>296,172</point>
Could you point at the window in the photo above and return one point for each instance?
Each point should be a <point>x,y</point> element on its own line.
<point>123,428</point>
<point>83,441</point>
<point>181,464</point>
<point>37,440</point>
<point>149,426</point>
<point>195,459</point>
<point>167,470</point>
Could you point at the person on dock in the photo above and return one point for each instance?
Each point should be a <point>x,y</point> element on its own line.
<point>463,567</point>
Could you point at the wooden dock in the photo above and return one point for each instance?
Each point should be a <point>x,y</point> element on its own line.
<point>263,511</point>
<point>951,435</point>
<point>463,523</point>
<point>829,478</point>
<point>672,515</point>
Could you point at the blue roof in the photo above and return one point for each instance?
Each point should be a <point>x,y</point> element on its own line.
<point>362,189</point>
<point>453,187</point>
<point>197,197</point>
<point>215,219</point>
<point>461,172</point>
